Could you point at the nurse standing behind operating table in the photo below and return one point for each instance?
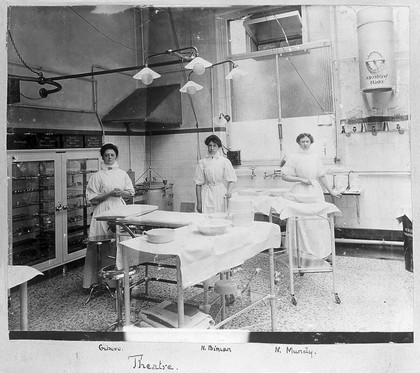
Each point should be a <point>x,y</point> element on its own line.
<point>214,178</point>
<point>305,170</point>
<point>105,190</point>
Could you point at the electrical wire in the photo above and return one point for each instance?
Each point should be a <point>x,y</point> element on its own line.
<point>295,68</point>
<point>39,73</point>
<point>186,79</point>
<point>102,33</point>
<point>31,98</point>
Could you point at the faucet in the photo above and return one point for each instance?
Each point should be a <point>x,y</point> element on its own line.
<point>348,180</point>
<point>276,173</point>
<point>253,173</point>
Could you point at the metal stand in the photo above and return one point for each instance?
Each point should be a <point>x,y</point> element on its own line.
<point>111,273</point>
<point>100,286</point>
<point>306,263</point>
<point>271,296</point>
<point>149,178</point>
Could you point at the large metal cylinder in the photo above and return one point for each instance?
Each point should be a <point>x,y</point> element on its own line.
<point>159,194</point>
<point>375,31</point>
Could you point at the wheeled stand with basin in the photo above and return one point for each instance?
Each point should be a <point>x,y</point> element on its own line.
<point>302,262</point>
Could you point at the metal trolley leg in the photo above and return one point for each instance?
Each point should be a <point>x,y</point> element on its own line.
<point>290,252</point>
<point>272,284</point>
<point>331,222</point>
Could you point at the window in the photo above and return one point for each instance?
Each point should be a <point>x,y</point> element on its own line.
<point>262,31</point>
<point>293,76</point>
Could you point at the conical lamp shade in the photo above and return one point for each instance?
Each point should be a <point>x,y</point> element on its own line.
<point>145,74</point>
<point>236,73</point>
<point>199,65</point>
<point>190,87</point>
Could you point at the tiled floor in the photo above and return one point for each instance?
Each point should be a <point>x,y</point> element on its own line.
<point>376,296</point>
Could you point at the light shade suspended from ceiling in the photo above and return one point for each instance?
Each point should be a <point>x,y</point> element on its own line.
<point>190,87</point>
<point>198,65</point>
<point>195,63</point>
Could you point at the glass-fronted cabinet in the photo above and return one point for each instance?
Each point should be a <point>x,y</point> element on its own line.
<point>49,216</point>
<point>79,211</point>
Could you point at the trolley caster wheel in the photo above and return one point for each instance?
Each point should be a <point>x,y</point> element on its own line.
<point>337,298</point>
<point>294,301</point>
<point>301,273</point>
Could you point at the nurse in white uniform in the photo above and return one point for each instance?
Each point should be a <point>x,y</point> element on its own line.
<point>105,190</point>
<point>305,170</point>
<point>214,178</point>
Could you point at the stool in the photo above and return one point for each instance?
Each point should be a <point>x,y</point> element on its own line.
<point>225,288</point>
<point>100,286</point>
<point>112,273</point>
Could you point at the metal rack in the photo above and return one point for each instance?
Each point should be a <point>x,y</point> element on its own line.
<point>301,262</point>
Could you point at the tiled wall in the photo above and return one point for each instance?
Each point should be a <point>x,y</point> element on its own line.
<point>380,173</point>
<point>381,197</point>
<point>382,164</point>
<point>132,151</point>
<point>387,151</point>
<point>174,158</point>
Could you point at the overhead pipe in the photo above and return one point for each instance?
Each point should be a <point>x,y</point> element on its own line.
<point>111,71</point>
<point>53,80</point>
<point>43,92</point>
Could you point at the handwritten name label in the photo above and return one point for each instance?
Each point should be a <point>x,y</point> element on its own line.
<point>214,348</point>
<point>297,351</point>
<point>139,362</point>
<point>103,347</point>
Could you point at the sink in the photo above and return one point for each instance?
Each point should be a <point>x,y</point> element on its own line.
<point>272,192</point>
<point>252,192</point>
<point>277,192</point>
<point>355,192</point>
<point>352,191</point>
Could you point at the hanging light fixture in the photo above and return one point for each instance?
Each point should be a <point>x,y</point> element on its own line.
<point>146,75</point>
<point>236,73</point>
<point>190,87</point>
<point>198,65</point>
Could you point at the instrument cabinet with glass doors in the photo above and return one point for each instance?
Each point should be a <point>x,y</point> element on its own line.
<point>49,216</point>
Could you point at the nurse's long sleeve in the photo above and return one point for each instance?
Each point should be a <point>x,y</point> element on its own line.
<point>230,174</point>
<point>199,178</point>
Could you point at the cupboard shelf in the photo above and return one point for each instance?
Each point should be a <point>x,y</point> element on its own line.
<point>48,211</point>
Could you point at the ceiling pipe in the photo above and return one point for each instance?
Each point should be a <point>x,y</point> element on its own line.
<point>43,92</point>
<point>111,71</point>
<point>53,80</point>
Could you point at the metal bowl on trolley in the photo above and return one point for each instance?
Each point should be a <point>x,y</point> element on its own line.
<point>159,235</point>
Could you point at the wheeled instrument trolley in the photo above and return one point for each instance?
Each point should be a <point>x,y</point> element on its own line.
<point>302,262</point>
